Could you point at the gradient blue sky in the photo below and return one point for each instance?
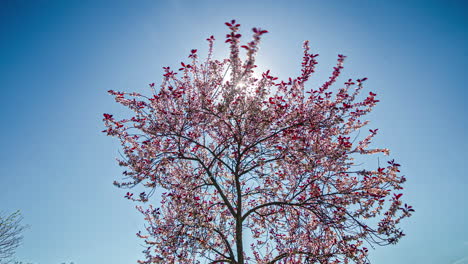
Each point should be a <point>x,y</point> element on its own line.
<point>58,59</point>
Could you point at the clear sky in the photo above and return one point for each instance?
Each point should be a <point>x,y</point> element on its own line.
<point>58,59</point>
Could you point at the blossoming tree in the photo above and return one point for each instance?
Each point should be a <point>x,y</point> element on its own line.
<point>254,169</point>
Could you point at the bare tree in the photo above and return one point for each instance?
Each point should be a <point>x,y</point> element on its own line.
<point>10,235</point>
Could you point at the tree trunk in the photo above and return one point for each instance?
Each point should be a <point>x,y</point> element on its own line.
<point>239,242</point>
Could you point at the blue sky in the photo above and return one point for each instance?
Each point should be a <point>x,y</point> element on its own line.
<point>58,59</point>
